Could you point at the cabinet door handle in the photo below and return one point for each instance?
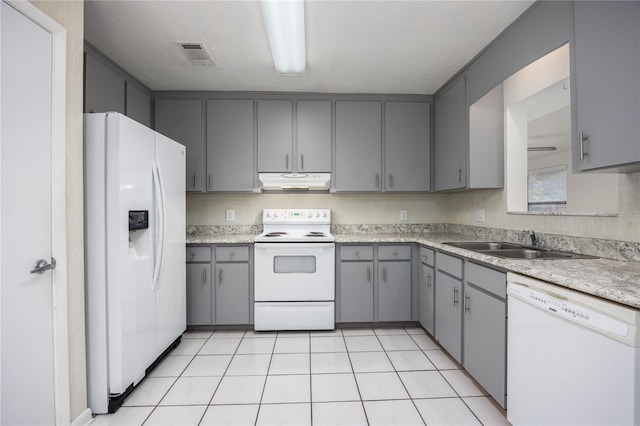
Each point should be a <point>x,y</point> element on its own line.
<point>209,181</point>
<point>390,180</point>
<point>204,276</point>
<point>428,280</point>
<point>369,274</point>
<point>220,277</point>
<point>582,138</point>
<point>286,161</point>
<point>377,180</point>
<point>301,162</point>
<point>195,180</point>
<point>467,303</point>
<point>458,175</point>
<point>455,296</point>
<point>384,274</point>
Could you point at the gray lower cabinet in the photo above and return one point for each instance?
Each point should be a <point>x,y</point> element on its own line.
<point>358,146</point>
<point>607,83</point>
<point>426,290</point>
<point>356,291</point>
<point>394,283</point>
<point>219,285</point>
<point>232,285</point>
<point>407,147</point>
<point>181,120</point>
<point>485,328</point>
<point>230,147</point>
<point>199,289</point>
<point>356,283</point>
<point>375,283</point>
<point>448,323</point>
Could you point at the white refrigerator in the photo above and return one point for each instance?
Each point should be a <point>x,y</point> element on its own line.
<point>135,277</point>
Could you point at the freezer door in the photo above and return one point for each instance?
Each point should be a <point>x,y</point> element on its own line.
<point>169,196</point>
<point>131,301</point>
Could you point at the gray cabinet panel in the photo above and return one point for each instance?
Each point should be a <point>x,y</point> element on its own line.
<point>232,293</point>
<point>426,298</point>
<point>451,141</point>
<point>485,341</point>
<point>313,136</point>
<point>199,295</point>
<point>394,291</point>
<point>358,146</point>
<point>138,104</point>
<point>275,136</point>
<point>230,147</point>
<point>356,291</point>
<point>407,146</point>
<point>607,82</point>
<point>104,89</point>
<point>449,314</point>
<point>181,120</point>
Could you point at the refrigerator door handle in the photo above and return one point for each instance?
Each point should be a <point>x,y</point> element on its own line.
<point>159,191</point>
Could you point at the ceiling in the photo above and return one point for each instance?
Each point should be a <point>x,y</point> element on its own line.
<point>363,46</point>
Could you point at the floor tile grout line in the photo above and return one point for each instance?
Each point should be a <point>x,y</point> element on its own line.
<point>364,410</point>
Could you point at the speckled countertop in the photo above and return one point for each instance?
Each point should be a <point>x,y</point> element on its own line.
<point>614,280</point>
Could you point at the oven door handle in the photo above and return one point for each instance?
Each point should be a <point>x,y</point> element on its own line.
<point>295,246</point>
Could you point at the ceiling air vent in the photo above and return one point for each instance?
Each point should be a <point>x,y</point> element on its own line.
<point>197,53</point>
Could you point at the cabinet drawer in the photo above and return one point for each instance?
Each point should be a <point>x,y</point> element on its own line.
<point>427,256</point>
<point>487,279</point>
<point>232,254</point>
<point>198,254</point>
<point>356,253</point>
<point>449,264</point>
<point>394,252</point>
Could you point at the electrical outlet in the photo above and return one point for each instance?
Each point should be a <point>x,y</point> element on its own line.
<point>479,215</point>
<point>230,215</point>
<point>404,214</point>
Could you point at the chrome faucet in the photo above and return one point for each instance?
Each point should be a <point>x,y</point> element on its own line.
<point>534,239</point>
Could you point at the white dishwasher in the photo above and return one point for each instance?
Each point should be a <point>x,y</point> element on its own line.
<point>572,359</point>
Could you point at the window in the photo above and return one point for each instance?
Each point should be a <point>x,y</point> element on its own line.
<point>547,190</point>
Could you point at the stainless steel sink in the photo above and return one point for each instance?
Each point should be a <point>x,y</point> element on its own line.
<point>516,251</point>
<point>484,245</point>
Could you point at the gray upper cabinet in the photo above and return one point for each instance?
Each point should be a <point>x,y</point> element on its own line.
<point>358,146</point>
<point>275,136</point>
<point>230,147</point>
<point>407,147</point>
<point>104,88</point>
<point>181,120</point>
<point>138,104</point>
<point>450,126</point>
<point>607,85</point>
<point>313,139</point>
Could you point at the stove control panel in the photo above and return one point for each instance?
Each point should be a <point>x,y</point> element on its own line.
<point>296,216</point>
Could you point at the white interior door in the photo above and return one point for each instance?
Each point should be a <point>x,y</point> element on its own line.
<point>29,391</point>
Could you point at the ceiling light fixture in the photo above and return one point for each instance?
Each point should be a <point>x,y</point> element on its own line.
<point>284,21</point>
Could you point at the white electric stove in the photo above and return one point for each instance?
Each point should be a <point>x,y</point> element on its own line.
<point>295,271</point>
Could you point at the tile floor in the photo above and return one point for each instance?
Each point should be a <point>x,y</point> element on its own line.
<point>385,376</point>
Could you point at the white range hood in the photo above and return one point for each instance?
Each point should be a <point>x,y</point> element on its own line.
<point>295,181</point>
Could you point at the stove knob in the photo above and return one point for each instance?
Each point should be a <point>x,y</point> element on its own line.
<point>309,215</point>
<point>316,214</point>
<point>268,214</point>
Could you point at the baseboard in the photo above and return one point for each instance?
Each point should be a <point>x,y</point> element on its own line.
<point>83,419</point>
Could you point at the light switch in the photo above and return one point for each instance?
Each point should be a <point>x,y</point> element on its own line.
<point>230,215</point>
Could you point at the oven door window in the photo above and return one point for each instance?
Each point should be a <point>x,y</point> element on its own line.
<point>294,264</point>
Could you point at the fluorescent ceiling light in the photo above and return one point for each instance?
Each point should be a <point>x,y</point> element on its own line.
<point>284,21</point>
